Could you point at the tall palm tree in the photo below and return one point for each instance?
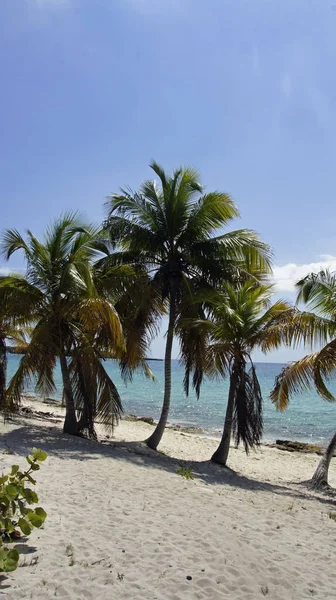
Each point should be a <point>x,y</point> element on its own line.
<point>75,321</point>
<point>241,320</point>
<point>169,226</point>
<point>318,292</point>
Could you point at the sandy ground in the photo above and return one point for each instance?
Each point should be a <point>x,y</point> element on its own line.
<point>122,524</point>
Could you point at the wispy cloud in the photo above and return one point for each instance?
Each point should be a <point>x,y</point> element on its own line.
<point>5,271</point>
<point>286,276</point>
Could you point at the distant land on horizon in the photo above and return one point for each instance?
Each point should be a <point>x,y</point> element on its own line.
<point>14,350</point>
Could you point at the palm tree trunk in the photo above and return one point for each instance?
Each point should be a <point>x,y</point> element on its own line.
<point>222,452</point>
<point>320,477</point>
<point>154,440</point>
<point>70,422</point>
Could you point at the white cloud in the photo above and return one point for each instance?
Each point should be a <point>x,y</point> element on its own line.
<point>5,271</point>
<point>286,276</point>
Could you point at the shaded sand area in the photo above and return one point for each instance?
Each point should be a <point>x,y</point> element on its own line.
<point>123,525</point>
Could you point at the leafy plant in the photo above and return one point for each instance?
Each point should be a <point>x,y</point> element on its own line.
<point>16,510</point>
<point>185,472</point>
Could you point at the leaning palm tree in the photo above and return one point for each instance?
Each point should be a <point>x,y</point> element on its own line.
<point>169,227</point>
<point>242,319</point>
<point>73,321</point>
<point>318,292</point>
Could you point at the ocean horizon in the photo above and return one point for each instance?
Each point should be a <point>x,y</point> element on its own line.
<point>308,418</point>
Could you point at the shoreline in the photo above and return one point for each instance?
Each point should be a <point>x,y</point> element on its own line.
<point>288,444</point>
<point>137,424</point>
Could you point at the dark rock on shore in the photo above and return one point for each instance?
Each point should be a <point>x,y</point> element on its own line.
<point>304,447</point>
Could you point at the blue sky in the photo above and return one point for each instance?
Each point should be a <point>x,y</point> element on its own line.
<point>245,91</point>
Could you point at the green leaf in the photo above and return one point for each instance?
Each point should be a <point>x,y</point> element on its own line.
<point>30,496</point>
<point>15,469</point>
<point>35,520</point>
<point>9,525</point>
<point>5,501</point>
<point>24,526</point>
<point>3,479</point>
<point>21,507</point>
<point>39,455</point>
<point>41,513</point>
<point>12,490</point>
<point>11,560</point>
<point>13,554</point>
<point>35,467</point>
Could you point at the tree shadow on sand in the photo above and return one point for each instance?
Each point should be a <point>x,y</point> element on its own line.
<point>22,439</point>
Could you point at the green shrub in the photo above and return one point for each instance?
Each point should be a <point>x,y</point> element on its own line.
<point>185,472</point>
<point>16,510</point>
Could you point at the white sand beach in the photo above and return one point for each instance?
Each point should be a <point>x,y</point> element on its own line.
<point>123,525</point>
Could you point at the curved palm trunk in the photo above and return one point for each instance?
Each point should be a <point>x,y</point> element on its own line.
<point>70,422</point>
<point>154,440</point>
<point>222,452</point>
<point>320,477</point>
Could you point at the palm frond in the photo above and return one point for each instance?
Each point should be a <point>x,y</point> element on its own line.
<point>37,365</point>
<point>318,291</point>
<point>247,414</point>
<point>96,397</point>
<point>11,242</point>
<point>325,368</point>
<point>296,378</point>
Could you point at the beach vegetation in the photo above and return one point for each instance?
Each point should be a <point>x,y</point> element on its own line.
<point>174,229</point>
<point>16,512</point>
<point>185,472</point>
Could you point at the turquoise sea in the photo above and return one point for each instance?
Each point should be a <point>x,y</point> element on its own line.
<point>308,418</point>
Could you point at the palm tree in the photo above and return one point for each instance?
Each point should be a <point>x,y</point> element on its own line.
<point>318,292</point>
<point>74,320</point>
<point>169,226</point>
<point>15,316</point>
<point>12,332</point>
<point>241,321</point>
